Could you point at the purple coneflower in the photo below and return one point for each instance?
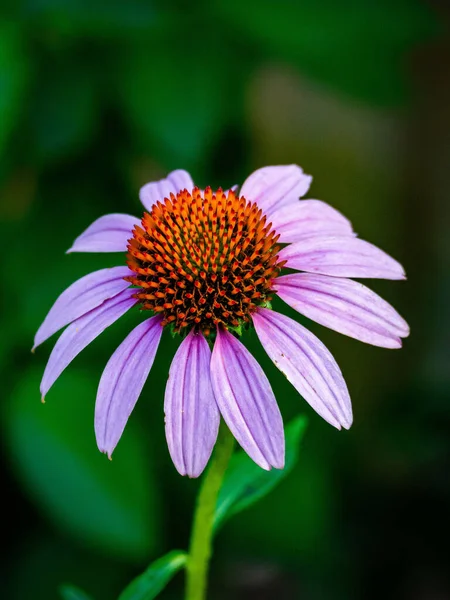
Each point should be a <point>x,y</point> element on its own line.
<point>206,264</point>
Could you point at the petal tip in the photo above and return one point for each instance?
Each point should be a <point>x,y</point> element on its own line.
<point>278,463</point>
<point>264,465</point>
<point>44,388</point>
<point>104,451</point>
<point>182,471</point>
<point>400,274</point>
<point>391,343</point>
<point>193,472</point>
<point>347,423</point>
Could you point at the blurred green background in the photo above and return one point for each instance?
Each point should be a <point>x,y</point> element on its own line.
<point>97,98</point>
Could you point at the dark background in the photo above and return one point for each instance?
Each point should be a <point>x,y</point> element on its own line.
<point>97,98</point>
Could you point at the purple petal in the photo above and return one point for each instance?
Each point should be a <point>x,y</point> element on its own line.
<point>82,332</point>
<point>275,187</point>
<point>246,401</point>
<point>81,297</point>
<point>341,257</point>
<point>309,217</point>
<point>191,414</point>
<point>158,190</point>
<point>109,233</point>
<point>307,364</point>
<point>344,305</point>
<point>122,382</point>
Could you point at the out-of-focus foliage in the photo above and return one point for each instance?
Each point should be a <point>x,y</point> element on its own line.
<point>14,73</point>
<point>353,46</point>
<point>55,456</point>
<point>97,98</point>
<point>179,101</point>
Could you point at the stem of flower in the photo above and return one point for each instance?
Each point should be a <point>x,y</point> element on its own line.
<point>201,538</point>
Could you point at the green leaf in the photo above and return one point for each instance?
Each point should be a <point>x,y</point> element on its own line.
<point>70,592</point>
<point>109,505</point>
<point>245,482</point>
<point>152,581</point>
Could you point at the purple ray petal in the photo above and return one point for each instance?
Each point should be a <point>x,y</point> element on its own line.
<point>81,297</point>
<point>308,217</point>
<point>274,187</point>
<point>191,414</point>
<point>246,401</point>
<point>341,257</point>
<point>109,233</point>
<point>122,382</point>
<point>82,332</point>
<point>344,305</point>
<point>158,190</point>
<point>307,364</point>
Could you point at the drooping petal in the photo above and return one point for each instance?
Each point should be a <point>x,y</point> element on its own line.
<point>122,382</point>
<point>82,332</point>
<point>81,297</point>
<point>343,305</point>
<point>341,257</point>
<point>246,401</point>
<point>308,217</point>
<point>307,364</point>
<point>274,187</point>
<point>109,233</point>
<point>158,190</point>
<point>191,414</point>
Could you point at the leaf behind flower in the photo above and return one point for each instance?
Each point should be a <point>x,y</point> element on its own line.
<point>70,592</point>
<point>245,483</point>
<point>155,578</point>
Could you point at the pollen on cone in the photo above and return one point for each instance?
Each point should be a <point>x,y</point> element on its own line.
<point>204,259</point>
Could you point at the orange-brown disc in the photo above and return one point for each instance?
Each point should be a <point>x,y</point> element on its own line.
<point>203,259</point>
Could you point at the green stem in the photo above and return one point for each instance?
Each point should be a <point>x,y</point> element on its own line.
<point>202,529</point>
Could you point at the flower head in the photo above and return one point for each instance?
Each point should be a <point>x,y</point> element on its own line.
<point>204,264</point>
<point>204,260</point>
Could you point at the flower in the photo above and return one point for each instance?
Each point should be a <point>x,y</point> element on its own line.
<point>206,265</point>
